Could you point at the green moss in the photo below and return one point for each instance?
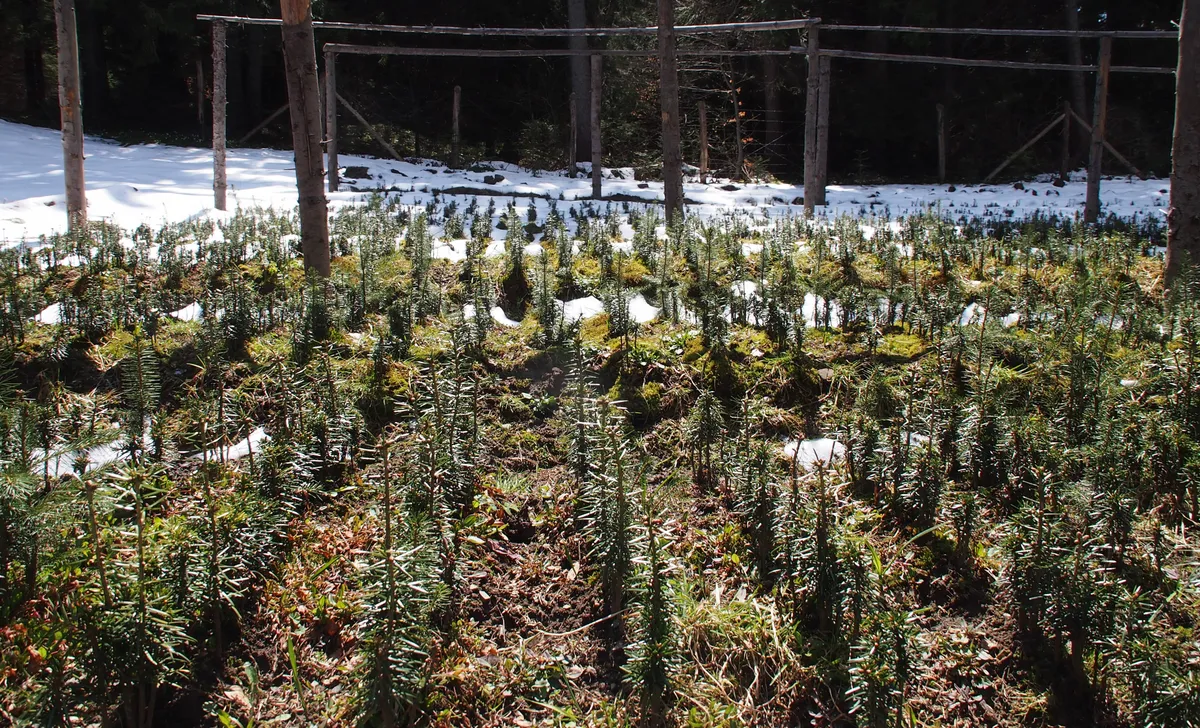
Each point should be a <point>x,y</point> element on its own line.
<point>902,346</point>
<point>514,409</point>
<point>595,329</point>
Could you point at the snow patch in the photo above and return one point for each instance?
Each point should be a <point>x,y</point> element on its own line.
<point>810,452</point>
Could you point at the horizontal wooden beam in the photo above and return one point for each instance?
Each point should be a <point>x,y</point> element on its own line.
<point>370,50</point>
<point>1013,32</point>
<point>985,63</point>
<point>753,27</point>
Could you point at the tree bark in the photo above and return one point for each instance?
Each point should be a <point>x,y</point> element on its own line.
<point>331,122</point>
<point>1183,219</point>
<point>1091,212</point>
<point>669,95</point>
<point>300,67</point>
<point>811,119</point>
<point>71,113</point>
<point>597,153</point>
<point>573,144</point>
<point>220,123</point>
<point>823,130</point>
<point>739,133</point>
<point>580,78</point>
<point>1075,53</point>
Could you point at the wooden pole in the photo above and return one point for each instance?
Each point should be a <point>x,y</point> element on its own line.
<point>597,153</point>
<point>668,91</point>
<point>738,132</point>
<point>1057,120</point>
<point>573,144</point>
<point>941,132</point>
<point>1065,166</point>
<point>823,130</point>
<point>71,111</point>
<point>1099,126</point>
<point>768,26</point>
<point>427,52</point>
<point>220,122</point>
<point>456,139</point>
<point>581,85</point>
<point>331,123</point>
<point>371,129</point>
<point>703,143</point>
<point>304,97</point>
<point>1183,217</point>
<point>982,63</point>
<point>811,113</point>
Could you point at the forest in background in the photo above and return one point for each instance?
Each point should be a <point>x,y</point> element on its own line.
<point>147,64</point>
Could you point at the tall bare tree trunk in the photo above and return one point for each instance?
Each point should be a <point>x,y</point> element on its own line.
<point>1183,220</point>
<point>220,118</point>
<point>581,79</point>
<point>1075,51</point>
<point>668,90</point>
<point>72,113</point>
<point>304,97</point>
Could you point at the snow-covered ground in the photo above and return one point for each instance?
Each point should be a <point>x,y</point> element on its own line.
<point>156,184</point>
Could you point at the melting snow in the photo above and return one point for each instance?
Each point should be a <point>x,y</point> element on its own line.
<point>239,450</point>
<point>582,308</point>
<point>499,317</point>
<point>190,312</point>
<point>156,184</point>
<point>50,315</point>
<point>641,311</point>
<point>809,452</point>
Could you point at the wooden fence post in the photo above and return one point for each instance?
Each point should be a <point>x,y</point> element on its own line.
<point>703,143</point>
<point>597,152</point>
<point>739,134</point>
<point>456,138</point>
<point>71,113</point>
<point>573,144</point>
<point>331,124</point>
<point>1065,166</point>
<point>811,112</point>
<point>941,132</point>
<point>220,124</point>
<point>1099,126</point>
<point>823,130</point>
